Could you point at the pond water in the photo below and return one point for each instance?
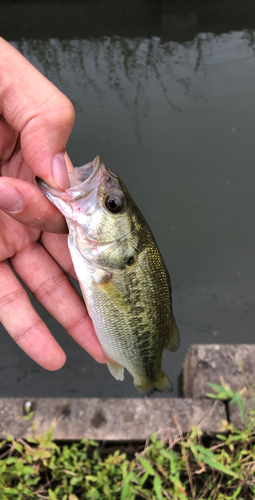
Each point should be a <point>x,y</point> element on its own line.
<point>168,100</point>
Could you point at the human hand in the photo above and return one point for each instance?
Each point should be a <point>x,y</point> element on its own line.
<point>36,120</point>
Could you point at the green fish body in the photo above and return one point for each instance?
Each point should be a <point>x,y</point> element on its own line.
<point>123,278</point>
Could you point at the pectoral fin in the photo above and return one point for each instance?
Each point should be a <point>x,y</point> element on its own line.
<point>115,369</point>
<point>115,295</point>
<point>174,340</point>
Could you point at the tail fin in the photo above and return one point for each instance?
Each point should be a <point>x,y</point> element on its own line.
<point>161,384</point>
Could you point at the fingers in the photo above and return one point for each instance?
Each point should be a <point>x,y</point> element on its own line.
<point>8,138</point>
<point>24,325</point>
<point>51,287</point>
<point>28,205</point>
<point>42,115</point>
<point>57,246</point>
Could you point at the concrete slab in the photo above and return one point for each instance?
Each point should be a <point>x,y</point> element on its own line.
<point>208,363</point>
<point>111,419</point>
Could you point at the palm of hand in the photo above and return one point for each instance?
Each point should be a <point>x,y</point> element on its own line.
<point>32,261</point>
<point>14,236</point>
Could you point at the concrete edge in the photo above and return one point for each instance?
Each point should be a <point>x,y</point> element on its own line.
<point>110,419</point>
<point>135,419</point>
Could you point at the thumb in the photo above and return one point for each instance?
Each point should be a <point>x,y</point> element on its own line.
<point>36,109</point>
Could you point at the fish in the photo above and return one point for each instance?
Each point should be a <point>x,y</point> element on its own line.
<point>123,278</point>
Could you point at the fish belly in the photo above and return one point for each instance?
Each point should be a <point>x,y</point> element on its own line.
<point>132,331</point>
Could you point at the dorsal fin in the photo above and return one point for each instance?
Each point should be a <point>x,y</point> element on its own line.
<point>174,338</point>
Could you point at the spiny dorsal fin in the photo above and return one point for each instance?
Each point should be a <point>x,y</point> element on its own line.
<point>174,338</point>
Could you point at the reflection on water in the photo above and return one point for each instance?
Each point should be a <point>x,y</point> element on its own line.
<point>175,120</point>
<point>126,67</point>
<point>129,67</point>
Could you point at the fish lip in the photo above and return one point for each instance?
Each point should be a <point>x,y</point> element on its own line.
<point>78,190</point>
<point>94,180</point>
<point>46,189</point>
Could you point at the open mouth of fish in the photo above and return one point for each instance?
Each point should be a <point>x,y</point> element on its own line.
<point>82,181</point>
<point>85,182</point>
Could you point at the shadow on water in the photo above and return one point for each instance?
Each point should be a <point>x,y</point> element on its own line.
<point>164,91</point>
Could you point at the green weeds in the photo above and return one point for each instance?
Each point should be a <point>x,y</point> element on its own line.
<point>194,467</point>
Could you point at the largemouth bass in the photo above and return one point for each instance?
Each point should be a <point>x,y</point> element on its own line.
<point>124,281</point>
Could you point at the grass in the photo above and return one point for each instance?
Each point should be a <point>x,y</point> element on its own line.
<point>192,467</point>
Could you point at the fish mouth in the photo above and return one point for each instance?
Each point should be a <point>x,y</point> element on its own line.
<point>82,181</point>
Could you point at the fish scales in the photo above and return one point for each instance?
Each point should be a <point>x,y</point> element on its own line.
<point>132,335</point>
<point>122,275</point>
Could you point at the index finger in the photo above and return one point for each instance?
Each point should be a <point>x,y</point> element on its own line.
<point>36,109</point>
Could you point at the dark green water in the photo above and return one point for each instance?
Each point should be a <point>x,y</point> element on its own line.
<point>166,95</point>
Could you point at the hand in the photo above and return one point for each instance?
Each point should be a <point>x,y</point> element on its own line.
<point>36,120</point>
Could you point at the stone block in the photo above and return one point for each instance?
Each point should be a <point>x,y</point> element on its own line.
<point>210,363</point>
<point>235,364</point>
<point>111,419</point>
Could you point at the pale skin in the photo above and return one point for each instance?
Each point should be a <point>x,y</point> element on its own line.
<point>36,120</point>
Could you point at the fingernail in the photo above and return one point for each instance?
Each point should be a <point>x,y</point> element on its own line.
<point>10,198</point>
<point>59,171</point>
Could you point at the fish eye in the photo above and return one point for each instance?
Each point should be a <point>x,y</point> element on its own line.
<point>129,261</point>
<point>114,203</point>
